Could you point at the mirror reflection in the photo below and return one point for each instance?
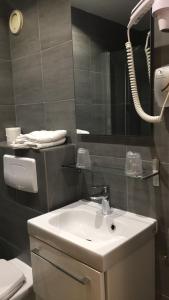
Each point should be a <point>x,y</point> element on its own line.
<point>104,104</point>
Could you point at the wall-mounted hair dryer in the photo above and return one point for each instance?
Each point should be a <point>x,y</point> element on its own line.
<point>161,85</point>
<point>160,10</point>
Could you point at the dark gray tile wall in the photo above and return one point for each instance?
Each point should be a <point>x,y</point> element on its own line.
<point>30,117</point>
<point>57,72</point>
<point>4,43</point>
<point>8,250</point>
<point>7,108</point>
<point>6,88</point>
<point>7,119</point>
<point>63,184</point>
<point>61,114</point>
<point>55,23</point>
<point>36,88</point>
<point>27,80</point>
<point>42,67</point>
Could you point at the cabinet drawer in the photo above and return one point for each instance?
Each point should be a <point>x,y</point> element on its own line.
<point>57,276</point>
<point>52,283</point>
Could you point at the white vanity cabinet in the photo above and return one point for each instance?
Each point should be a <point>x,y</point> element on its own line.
<point>57,276</point>
<point>78,255</point>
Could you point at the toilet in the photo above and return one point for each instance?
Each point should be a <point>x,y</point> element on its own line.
<point>16,281</point>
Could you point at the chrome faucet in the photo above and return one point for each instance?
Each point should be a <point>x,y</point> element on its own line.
<point>102,194</point>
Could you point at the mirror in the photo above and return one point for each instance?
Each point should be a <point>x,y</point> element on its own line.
<point>104,104</point>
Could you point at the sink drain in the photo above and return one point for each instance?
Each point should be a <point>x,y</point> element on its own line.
<point>113,227</point>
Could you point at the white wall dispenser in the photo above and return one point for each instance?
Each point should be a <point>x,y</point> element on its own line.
<point>20,173</point>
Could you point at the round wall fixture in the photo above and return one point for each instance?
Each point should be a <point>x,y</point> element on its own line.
<point>16,21</point>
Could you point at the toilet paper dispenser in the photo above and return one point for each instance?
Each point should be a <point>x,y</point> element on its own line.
<point>20,173</point>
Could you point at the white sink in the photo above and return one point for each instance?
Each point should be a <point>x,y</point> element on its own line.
<point>89,226</point>
<point>80,230</point>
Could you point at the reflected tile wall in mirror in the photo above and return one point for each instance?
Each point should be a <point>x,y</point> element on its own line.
<point>103,99</point>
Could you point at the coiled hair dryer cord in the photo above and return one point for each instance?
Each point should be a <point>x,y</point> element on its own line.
<point>147,50</point>
<point>134,89</point>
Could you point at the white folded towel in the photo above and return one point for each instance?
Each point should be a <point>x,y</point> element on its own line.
<point>81,131</point>
<point>40,139</point>
<point>45,145</point>
<point>34,145</point>
<point>42,136</point>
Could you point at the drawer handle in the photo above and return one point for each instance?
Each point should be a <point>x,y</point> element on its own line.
<point>82,280</point>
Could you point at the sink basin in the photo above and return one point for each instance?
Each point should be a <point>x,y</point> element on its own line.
<point>94,228</point>
<point>81,231</point>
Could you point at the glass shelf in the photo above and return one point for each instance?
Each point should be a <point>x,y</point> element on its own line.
<point>146,176</point>
<point>121,171</point>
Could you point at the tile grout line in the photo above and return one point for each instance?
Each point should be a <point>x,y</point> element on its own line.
<point>41,64</point>
<point>42,50</point>
<point>12,78</point>
<point>46,179</point>
<point>45,102</point>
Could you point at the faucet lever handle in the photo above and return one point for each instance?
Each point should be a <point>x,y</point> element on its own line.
<point>106,190</point>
